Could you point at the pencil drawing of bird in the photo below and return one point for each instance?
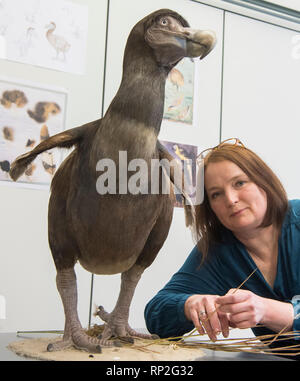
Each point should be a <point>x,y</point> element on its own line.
<point>59,43</point>
<point>115,233</point>
<point>26,42</point>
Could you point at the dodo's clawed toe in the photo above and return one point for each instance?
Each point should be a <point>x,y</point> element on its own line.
<point>98,349</point>
<point>50,348</point>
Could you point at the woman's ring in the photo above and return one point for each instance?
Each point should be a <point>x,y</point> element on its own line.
<point>202,313</point>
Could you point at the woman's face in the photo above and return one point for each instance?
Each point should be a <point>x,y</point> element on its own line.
<point>239,204</point>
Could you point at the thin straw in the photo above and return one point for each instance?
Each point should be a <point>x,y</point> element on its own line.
<point>245,280</point>
<point>235,290</point>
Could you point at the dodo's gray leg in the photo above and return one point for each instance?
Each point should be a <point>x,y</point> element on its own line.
<point>117,320</point>
<point>74,334</point>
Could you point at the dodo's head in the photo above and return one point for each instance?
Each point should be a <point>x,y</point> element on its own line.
<point>166,36</point>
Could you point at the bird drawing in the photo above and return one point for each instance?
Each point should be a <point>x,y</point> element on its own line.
<point>59,43</point>
<point>26,42</point>
<point>118,232</point>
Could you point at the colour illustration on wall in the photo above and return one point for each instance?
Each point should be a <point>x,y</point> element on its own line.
<point>188,154</point>
<point>179,96</point>
<point>29,115</point>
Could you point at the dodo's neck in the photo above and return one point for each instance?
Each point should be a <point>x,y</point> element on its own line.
<point>142,90</point>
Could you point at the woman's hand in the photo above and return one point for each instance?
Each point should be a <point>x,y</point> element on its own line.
<point>246,309</point>
<point>203,311</point>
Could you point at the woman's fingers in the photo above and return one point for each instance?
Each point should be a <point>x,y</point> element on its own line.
<point>224,324</point>
<point>234,308</point>
<point>212,323</point>
<point>210,327</point>
<point>202,311</point>
<point>202,323</point>
<point>244,308</point>
<point>197,322</point>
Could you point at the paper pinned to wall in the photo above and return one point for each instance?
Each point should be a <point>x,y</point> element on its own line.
<point>47,33</point>
<point>29,114</point>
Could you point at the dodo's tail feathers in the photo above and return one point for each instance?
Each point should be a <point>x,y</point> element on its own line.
<point>65,139</point>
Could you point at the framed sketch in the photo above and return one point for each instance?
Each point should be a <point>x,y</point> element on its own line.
<point>47,33</point>
<point>28,115</point>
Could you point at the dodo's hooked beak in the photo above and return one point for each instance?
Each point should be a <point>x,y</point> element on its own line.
<point>199,42</point>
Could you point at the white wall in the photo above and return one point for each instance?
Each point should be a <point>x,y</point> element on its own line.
<point>258,104</point>
<point>261,94</point>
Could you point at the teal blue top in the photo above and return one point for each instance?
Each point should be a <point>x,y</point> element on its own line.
<point>227,266</point>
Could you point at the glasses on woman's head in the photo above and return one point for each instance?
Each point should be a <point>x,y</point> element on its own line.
<point>232,141</point>
<point>197,195</point>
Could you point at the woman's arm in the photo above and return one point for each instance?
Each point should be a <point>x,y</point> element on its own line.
<point>164,314</point>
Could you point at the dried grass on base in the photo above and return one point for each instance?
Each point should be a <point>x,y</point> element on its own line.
<point>258,344</point>
<point>192,340</point>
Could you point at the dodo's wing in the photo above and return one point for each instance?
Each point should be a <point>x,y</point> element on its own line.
<point>65,139</point>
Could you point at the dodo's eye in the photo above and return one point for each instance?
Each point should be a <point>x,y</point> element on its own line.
<point>164,21</point>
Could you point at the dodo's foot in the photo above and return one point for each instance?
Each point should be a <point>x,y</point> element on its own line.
<point>82,341</point>
<point>116,327</point>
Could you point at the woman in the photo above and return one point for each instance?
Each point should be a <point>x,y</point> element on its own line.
<point>245,225</point>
